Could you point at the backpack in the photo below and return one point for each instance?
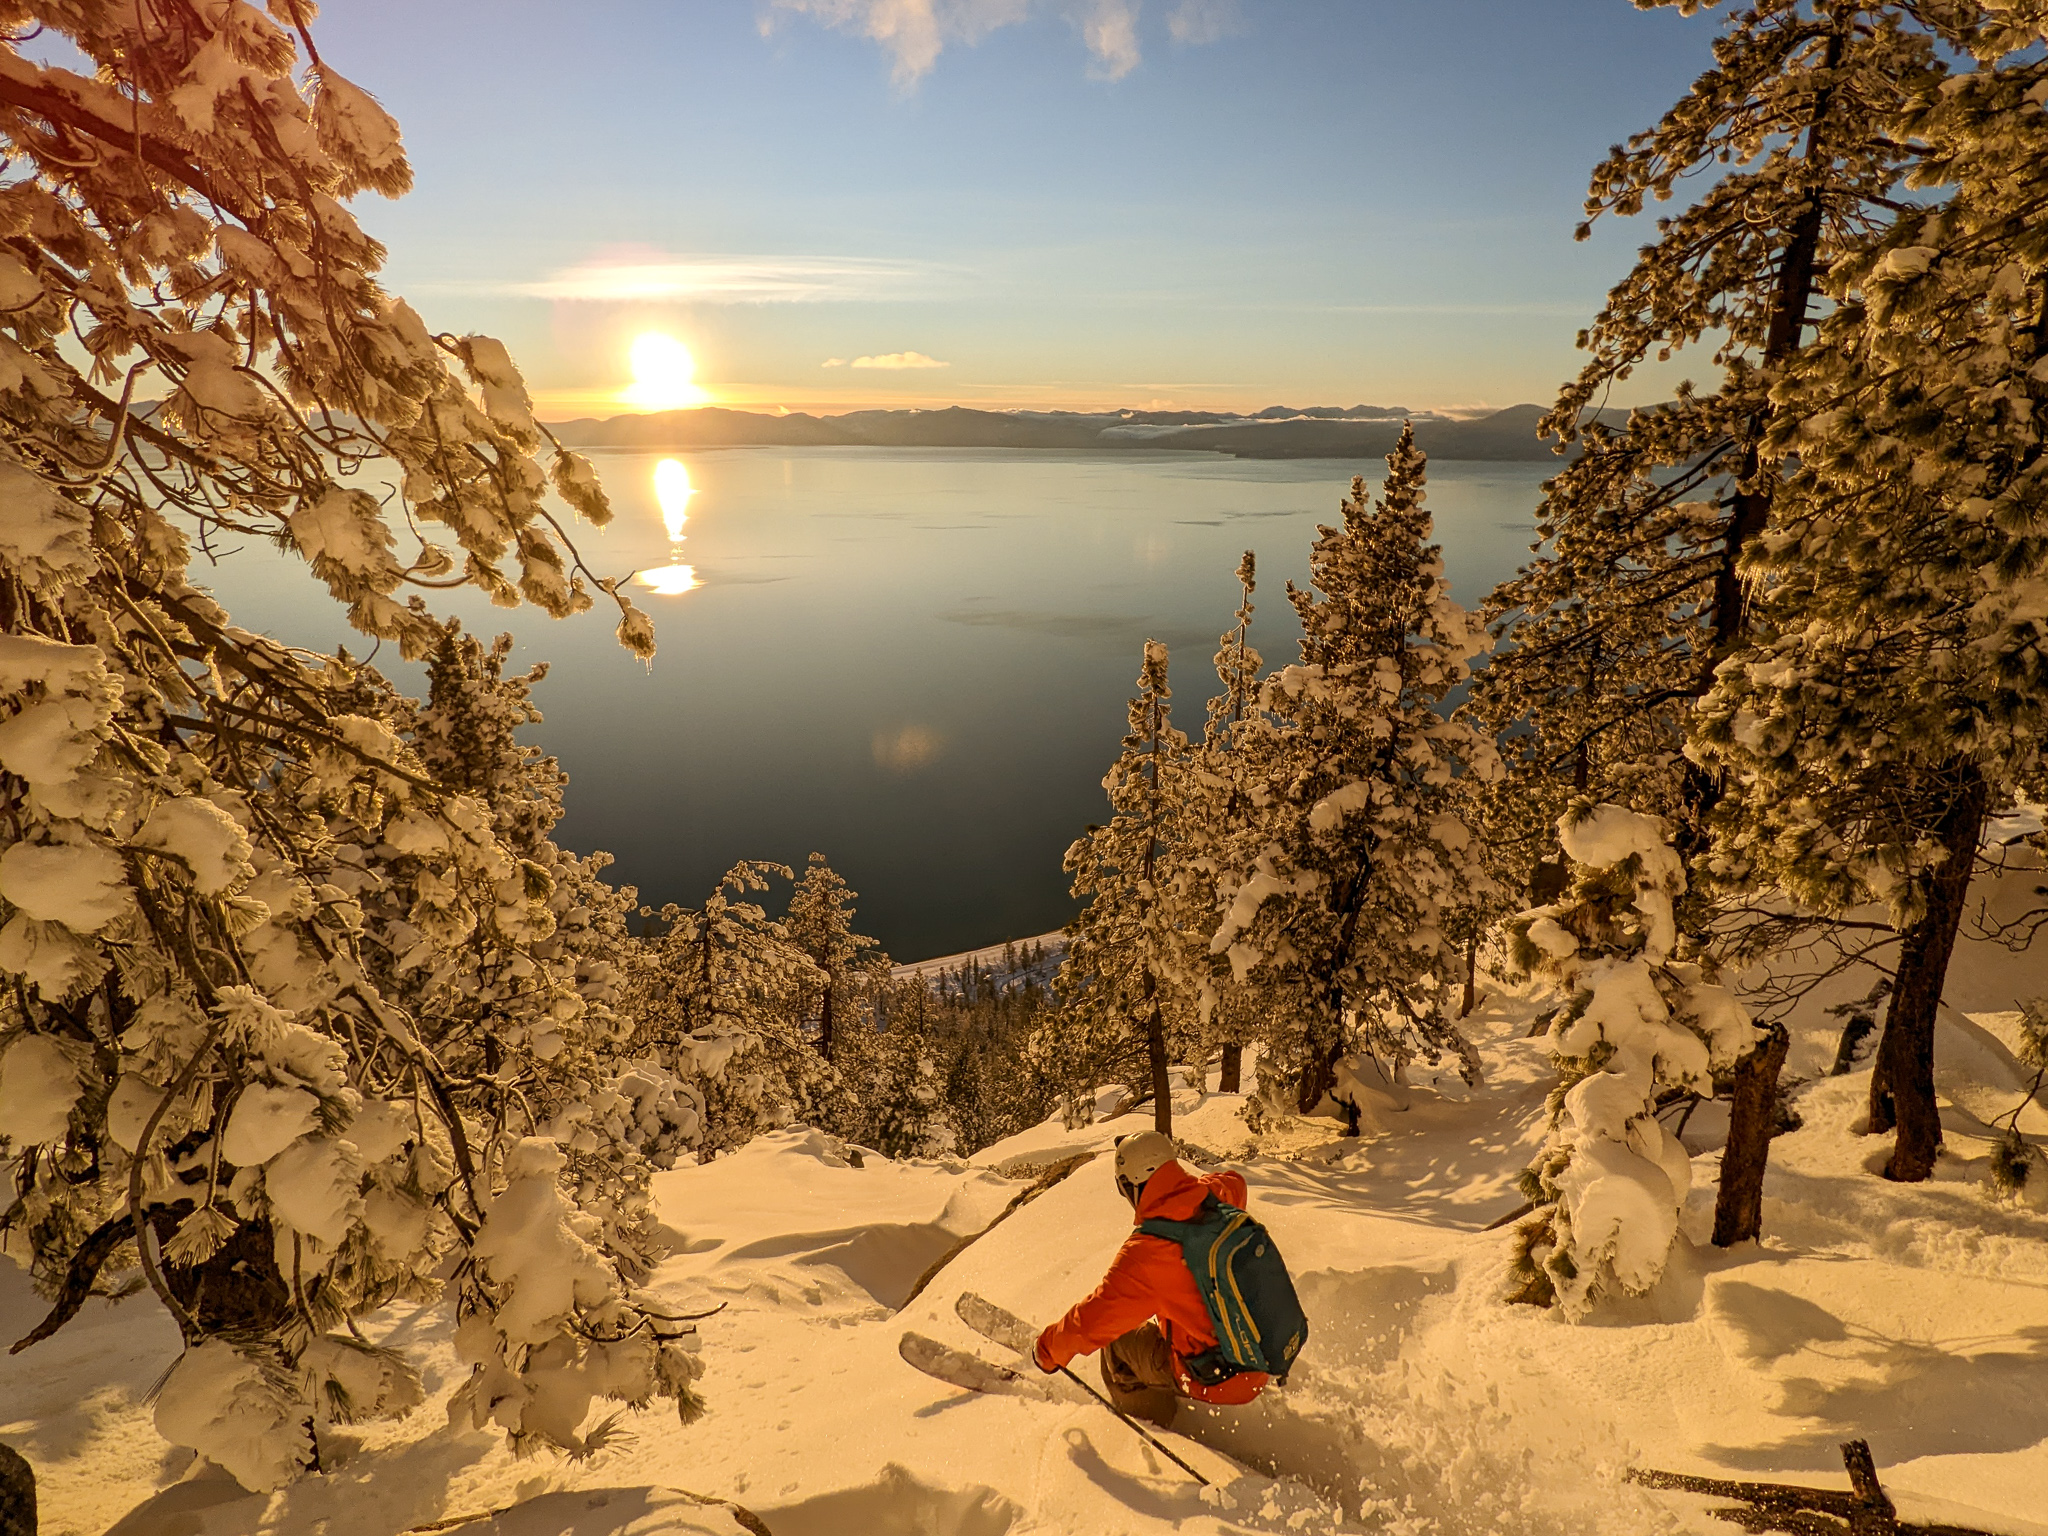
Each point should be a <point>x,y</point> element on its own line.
<point>1245,1286</point>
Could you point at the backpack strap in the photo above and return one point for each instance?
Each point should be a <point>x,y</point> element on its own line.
<point>1181,1231</point>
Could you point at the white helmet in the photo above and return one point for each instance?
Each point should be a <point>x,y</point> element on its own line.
<point>1139,1157</point>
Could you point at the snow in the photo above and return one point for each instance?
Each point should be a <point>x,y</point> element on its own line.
<point>265,1120</point>
<point>213,382</point>
<point>49,741</point>
<point>343,534</point>
<point>129,1107</point>
<point>38,1086</point>
<point>989,957</point>
<point>42,535</point>
<point>213,70</point>
<point>354,128</point>
<point>313,1185</point>
<point>1915,1316</point>
<point>230,1410</point>
<point>202,836</point>
<point>528,1244</point>
<point>81,885</point>
<point>48,956</point>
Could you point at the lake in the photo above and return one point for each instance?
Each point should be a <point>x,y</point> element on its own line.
<point>914,661</point>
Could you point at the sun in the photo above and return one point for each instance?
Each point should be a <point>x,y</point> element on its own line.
<point>664,374</point>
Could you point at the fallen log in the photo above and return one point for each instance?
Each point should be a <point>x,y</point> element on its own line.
<point>1864,1510</point>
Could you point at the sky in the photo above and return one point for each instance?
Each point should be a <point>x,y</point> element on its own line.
<point>1090,204</point>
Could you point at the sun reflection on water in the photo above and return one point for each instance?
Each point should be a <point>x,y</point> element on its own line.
<point>672,489</point>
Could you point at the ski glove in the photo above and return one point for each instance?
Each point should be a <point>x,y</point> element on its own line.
<point>1041,1357</point>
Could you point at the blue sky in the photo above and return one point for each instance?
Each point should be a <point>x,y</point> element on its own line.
<point>1086,202</point>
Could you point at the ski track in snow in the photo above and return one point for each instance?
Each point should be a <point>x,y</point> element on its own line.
<point>1915,1316</point>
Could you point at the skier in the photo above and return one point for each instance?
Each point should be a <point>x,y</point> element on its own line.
<point>1145,1362</point>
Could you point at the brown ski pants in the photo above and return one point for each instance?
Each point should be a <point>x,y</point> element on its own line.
<point>1138,1370</point>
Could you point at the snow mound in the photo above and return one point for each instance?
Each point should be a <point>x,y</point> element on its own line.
<point>897,1504</point>
<point>643,1511</point>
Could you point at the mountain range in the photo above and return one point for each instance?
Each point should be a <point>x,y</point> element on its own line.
<point>1278,432</point>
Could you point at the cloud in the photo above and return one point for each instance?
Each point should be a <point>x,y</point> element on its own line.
<point>887,360</point>
<point>915,32</point>
<point>1195,22</point>
<point>725,279</point>
<point>1110,28</point>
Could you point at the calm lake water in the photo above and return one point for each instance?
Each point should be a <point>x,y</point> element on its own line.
<point>913,661</point>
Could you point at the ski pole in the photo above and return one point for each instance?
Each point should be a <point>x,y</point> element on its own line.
<point>1142,1435</point>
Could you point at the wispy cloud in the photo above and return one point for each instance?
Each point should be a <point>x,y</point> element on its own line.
<point>915,32</point>
<point>887,360</point>
<point>726,279</point>
<point>1195,22</point>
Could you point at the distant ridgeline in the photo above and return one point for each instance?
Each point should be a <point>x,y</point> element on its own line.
<point>1279,432</point>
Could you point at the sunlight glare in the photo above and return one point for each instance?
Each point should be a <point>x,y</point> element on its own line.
<point>673,490</point>
<point>669,580</point>
<point>664,374</point>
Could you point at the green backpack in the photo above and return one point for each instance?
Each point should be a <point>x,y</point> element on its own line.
<point>1245,1285</point>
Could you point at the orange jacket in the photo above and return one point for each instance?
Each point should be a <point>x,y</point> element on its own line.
<point>1149,1278</point>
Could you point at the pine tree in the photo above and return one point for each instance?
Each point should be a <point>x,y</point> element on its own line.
<point>1122,982</point>
<point>1221,831</point>
<point>1642,1018</point>
<point>903,1105</point>
<point>722,995</point>
<point>1611,636</point>
<point>820,923</point>
<point>1640,593</point>
<point>249,1063</point>
<point>1896,690</point>
<point>1351,770</point>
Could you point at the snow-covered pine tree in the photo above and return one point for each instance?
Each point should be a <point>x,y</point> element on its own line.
<point>1617,627</point>
<point>1340,912</point>
<point>1221,820</point>
<point>902,1098</point>
<point>850,965</point>
<point>722,994</point>
<point>1610,637</point>
<point>1896,689</point>
<point>539,1021</point>
<point>1642,1018</point>
<point>1122,984</point>
<point>200,1062</point>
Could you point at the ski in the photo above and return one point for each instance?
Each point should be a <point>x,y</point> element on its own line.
<point>970,1373</point>
<point>996,1325</point>
<point>1013,1333</point>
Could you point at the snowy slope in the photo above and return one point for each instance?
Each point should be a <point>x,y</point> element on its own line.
<point>989,960</point>
<point>1915,1316</point>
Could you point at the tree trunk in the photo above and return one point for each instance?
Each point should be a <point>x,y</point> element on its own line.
<point>1902,1087</point>
<point>1739,1205</point>
<point>825,1021</point>
<point>1750,510</point>
<point>1319,1071</point>
<point>1884,1114</point>
<point>1471,977</point>
<point>1230,1077</point>
<point>1155,1054</point>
